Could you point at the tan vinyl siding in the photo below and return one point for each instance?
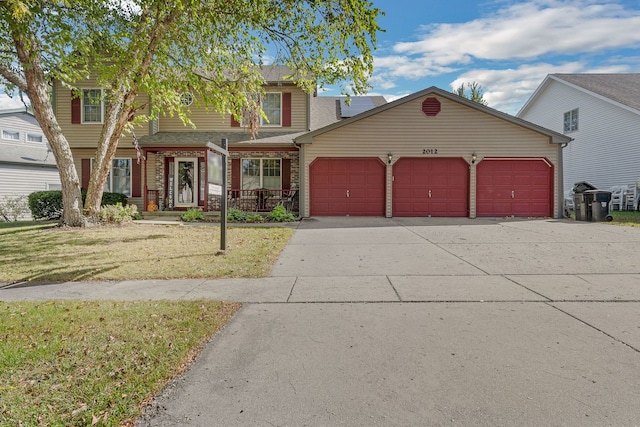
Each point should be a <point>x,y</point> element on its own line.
<point>213,121</point>
<point>405,131</point>
<point>151,172</point>
<point>87,134</point>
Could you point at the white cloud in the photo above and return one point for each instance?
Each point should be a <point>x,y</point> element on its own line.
<point>508,89</point>
<point>527,31</point>
<point>512,49</point>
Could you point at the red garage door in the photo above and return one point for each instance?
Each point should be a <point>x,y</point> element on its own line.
<point>431,187</point>
<point>341,186</point>
<point>514,187</point>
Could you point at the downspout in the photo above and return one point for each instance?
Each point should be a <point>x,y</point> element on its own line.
<point>561,210</point>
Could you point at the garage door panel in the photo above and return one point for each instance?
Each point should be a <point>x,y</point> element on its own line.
<point>356,187</point>
<point>438,187</point>
<point>514,187</point>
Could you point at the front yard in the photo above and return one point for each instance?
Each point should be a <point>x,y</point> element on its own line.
<point>80,363</point>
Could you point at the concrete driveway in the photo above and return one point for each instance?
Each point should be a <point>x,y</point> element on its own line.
<point>415,322</point>
<point>427,322</point>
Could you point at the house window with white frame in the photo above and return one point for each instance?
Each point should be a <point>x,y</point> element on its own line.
<point>571,121</point>
<point>10,135</point>
<point>34,137</point>
<point>92,105</point>
<point>261,173</point>
<point>119,177</point>
<point>272,107</point>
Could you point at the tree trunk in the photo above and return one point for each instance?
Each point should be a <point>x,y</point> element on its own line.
<point>37,90</point>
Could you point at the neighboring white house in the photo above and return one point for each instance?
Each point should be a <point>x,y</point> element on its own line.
<point>26,163</point>
<point>601,112</point>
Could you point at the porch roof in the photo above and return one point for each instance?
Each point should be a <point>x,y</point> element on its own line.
<point>200,138</point>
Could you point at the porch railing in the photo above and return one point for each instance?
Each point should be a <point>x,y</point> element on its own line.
<point>259,200</point>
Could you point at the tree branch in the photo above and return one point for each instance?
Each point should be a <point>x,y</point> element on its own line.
<point>13,77</point>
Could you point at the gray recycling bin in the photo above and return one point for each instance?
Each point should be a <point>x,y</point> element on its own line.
<point>583,199</point>
<point>582,206</point>
<point>599,204</point>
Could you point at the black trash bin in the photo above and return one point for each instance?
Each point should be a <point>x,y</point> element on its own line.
<point>582,200</point>
<point>599,204</point>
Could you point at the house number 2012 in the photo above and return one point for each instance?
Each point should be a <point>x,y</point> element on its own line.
<point>430,151</point>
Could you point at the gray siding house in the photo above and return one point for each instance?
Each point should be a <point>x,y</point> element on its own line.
<point>26,163</point>
<point>601,112</point>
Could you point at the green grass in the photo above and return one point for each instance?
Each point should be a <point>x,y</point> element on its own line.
<point>44,252</point>
<point>627,218</point>
<point>78,363</point>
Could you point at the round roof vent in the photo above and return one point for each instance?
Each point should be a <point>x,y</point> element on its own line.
<point>431,106</point>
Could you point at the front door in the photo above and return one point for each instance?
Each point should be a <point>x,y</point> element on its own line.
<point>185,182</point>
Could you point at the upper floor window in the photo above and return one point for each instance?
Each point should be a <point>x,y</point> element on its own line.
<point>272,107</point>
<point>34,137</point>
<point>571,121</point>
<point>92,105</point>
<point>261,173</point>
<point>11,135</point>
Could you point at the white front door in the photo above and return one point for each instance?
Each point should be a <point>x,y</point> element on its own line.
<point>186,182</point>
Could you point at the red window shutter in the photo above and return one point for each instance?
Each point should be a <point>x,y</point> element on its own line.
<point>136,178</point>
<point>234,122</point>
<point>85,173</point>
<point>286,109</point>
<point>235,174</point>
<point>286,174</point>
<point>76,114</point>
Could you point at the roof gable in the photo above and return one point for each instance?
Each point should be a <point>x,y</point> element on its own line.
<point>555,137</point>
<point>622,90</point>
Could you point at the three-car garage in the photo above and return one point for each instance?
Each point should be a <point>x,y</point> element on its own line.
<point>432,154</point>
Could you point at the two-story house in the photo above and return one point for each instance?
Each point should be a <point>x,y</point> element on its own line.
<point>26,162</point>
<point>601,112</point>
<point>431,153</point>
<point>172,170</point>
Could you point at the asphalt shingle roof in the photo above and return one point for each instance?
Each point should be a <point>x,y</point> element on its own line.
<point>621,88</point>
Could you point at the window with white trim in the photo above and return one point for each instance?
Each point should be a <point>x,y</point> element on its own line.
<point>92,105</point>
<point>10,135</point>
<point>34,137</point>
<point>261,173</point>
<point>272,107</point>
<point>271,104</point>
<point>571,121</point>
<point>119,177</point>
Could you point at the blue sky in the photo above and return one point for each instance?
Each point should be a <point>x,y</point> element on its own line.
<point>507,46</point>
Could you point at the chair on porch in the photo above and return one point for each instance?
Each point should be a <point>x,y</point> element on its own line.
<point>617,196</point>
<point>631,197</point>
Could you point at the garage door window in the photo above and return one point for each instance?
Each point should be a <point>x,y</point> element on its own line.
<point>261,173</point>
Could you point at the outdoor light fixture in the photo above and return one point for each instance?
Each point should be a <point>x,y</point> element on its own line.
<point>473,158</point>
<point>390,157</point>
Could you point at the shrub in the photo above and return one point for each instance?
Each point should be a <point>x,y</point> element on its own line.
<point>46,204</point>
<point>118,214</point>
<point>13,208</point>
<point>192,215</point>
<point>254,217</point>
<point>236,215</point>
<point>280,214</point>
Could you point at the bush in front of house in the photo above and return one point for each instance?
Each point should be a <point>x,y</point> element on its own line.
<point>192,215</point>
<point>48,204</point>
<point>280,214</point>
<point>12,208</point>
<point>118,214</point>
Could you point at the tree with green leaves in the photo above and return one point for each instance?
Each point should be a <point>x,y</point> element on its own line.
<point>163,49</point>
<point>472,91</point>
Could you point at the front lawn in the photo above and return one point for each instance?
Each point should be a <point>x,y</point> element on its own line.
<point>44,252</point>
<point>77,363</point>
